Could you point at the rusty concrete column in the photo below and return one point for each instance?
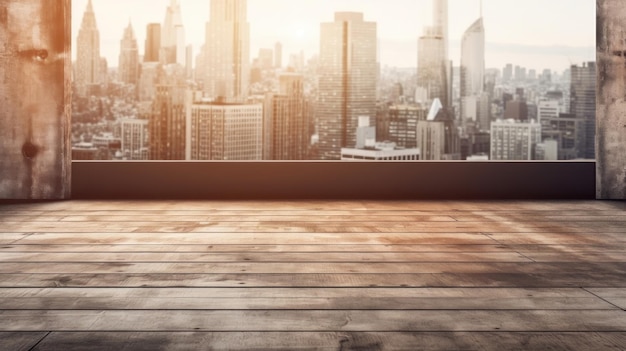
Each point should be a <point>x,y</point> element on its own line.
<point>611,104</point>
<point>35,70</point>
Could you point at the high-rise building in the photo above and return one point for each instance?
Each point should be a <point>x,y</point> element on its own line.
<point>507,73</point>
<point>134,139</point>
<point>398,124</point>
<point>583,102</point>
<point>548,109</point>
<point>173,36</point>
<point>472,66</point>
<point>438,137</point>
<point>148,80</point>
<point>225,131</point>
<point>153,43</point>
<point>434,70</point>
<point>286,125</point>
<point>227,51</point>
<point>569,132</point>
<point>167,123</point>
<point>347,81</point>
<point>128,69</point>
<point>88,52</point>
<point>432,138</point>
<point>278,55</point>
<point>266,58</point>
<point>514,140</point>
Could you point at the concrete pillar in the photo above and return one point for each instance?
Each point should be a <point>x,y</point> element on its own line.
<point>611,106</point>
<point>35,66</point>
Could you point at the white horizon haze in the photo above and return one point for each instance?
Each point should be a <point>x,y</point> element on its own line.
<point>536,34</point>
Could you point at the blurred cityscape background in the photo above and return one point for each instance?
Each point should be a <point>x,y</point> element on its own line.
<point>241,90</point>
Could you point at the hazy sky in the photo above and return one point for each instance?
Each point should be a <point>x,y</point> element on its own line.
<point>532,33</point>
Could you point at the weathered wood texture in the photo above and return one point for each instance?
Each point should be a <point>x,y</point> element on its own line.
<point>611,101</point>
<point>35,67</point>
<point>310,275</point>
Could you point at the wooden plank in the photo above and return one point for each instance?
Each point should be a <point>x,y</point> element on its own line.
<point>266,248</point>
<point>175,341</point>
<point>35,69</point>
<point>540,218</point>
<point>308,268</point>
<point>286,257</point>
<point>257,238</point>
<point>312,227</point>
<point>578,256</point>
<point>20,341</point>
<point>558,238</point>
<point>301,299</point>
<point>269,320</point>
<point>6,211</point>
<point>308,205</point>
<point>601,279</point>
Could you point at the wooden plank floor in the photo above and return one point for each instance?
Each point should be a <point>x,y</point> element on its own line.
<point>313,275</point>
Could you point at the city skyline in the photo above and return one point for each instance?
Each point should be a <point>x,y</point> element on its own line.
<point>563,31</point>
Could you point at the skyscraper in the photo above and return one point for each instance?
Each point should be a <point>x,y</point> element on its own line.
<point>347,81</point>
<point>223,131</point>
<point>583,102</point>
<point>434,71</point>
<point>286,127</point>
<point>227,51</point>
<point>513,140</point>
<point>173,35</point>
<point>167,128</point>
<point>153,43</point>
<point>129,57</point>
<point>88,51</point>
<point>473,60</point>
<point>278,55</point>
<point>472,71</point>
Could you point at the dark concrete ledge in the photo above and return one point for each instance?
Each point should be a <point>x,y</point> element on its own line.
<point>333,180</point>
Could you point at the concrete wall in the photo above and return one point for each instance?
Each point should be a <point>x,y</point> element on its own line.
<point>35,69</point>
<point>611,107</point>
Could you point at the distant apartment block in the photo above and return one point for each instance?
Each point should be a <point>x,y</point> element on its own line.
<point>514,140</point>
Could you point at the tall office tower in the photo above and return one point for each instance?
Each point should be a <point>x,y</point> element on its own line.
<point>266,58</point>
<point>472,67</point>
<point>507,73</point>
<point>568,131</point>
<point>189,61</point>
<point>172,36</point>
<point>434,71</point>
<point>548,109</point>
<point>225,131</point>
<point>153,43</point>
<point>583,102</point>
<point>432,67</point>
<point>432,138</point>
<point>286,128</point>
<point>148,80</point>
<point>278,55</point>
<point>167,123</point>
<point>227,51</point>
<point>347,81</point>
<point>88,52</point>
<point>513,140</point>
<point>440,23</point>
<point>134,139</point>
<point>128,70</point>
<point>398,124</point>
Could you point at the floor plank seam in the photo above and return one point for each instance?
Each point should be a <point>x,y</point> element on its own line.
<point>603,299</point>
<point>40,341</point>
